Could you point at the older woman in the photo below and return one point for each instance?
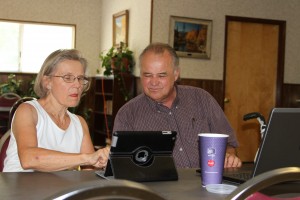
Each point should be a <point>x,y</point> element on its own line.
<point>45,135</point>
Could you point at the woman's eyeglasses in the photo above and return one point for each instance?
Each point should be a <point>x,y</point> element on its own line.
<point>71,78</point>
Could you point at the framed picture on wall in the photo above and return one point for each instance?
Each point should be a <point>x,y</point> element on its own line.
<point>191,37</point>
<point>120,27</point>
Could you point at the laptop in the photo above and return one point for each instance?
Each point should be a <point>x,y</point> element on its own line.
<point>280,146</point>
<point>141,156</point>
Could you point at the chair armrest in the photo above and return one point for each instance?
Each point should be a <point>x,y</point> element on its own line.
<point>265,180</point>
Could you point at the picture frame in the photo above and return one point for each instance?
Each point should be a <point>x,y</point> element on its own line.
<point>191,37</point>
<point>120,27</point>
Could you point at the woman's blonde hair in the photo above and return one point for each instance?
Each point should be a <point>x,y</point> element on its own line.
<point>50,65</point>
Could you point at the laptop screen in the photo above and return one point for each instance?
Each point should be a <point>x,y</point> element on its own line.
<point>280,145</point>
<point>129,141</point>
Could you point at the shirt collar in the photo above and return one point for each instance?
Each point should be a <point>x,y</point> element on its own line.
<point>160,107</point>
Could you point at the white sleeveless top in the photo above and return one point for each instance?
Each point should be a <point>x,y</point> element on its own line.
<point>49,136</point>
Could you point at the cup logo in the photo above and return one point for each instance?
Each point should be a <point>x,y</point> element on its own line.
<point>211,153</point>
<point>210,163</point>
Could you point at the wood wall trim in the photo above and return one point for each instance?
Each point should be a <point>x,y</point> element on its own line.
<point>214,87</point>
<point>290,98</point>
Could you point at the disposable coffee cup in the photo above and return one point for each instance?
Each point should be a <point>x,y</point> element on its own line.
<point>212,150</point>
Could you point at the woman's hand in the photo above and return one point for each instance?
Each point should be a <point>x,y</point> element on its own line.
<point>100,157</point>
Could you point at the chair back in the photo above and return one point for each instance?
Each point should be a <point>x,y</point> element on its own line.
<point>6,102</point>
<point>4,141</point>
<point>15,106</point>
<point>250,189</point>
<point>109,189</point>
<point>8,99</point>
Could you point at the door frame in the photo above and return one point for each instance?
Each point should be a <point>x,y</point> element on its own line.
<point>280,57</point>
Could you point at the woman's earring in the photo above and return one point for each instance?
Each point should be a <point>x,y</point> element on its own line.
<point>48,87</point>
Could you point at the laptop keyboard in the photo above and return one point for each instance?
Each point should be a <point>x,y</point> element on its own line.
<point>242,176</point>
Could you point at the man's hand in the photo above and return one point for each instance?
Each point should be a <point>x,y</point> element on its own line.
<point>231,160</point>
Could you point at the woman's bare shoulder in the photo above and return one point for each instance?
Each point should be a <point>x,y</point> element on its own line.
<point>26,110</point>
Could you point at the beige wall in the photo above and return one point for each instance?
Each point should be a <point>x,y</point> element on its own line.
<point>216,10</point>
<point>139,24</point>
<point>93,20</point>
<point>84,14</point>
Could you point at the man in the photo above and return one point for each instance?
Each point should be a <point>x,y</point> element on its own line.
<point>163,105</point>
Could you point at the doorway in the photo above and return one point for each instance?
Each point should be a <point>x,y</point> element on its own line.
<point>253,76</point>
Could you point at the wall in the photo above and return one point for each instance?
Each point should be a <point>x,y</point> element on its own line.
<point>216,10</point>
<point>139,24</point>
<point>93,20</point>
<point>84,14</point>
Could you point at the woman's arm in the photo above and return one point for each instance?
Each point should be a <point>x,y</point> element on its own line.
<point>87,146</point>
<point>33,157</point>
